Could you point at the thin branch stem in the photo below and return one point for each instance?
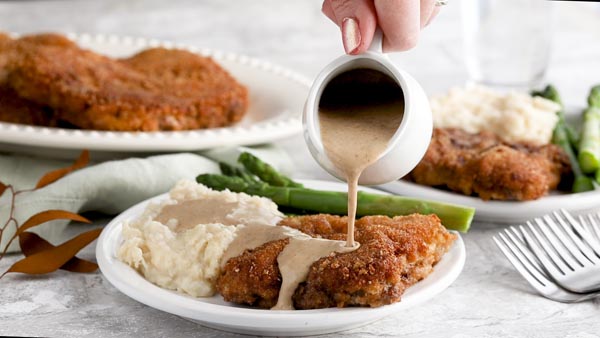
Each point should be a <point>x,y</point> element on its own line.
<point>22,191</point>
<point>11,239</point>
<point>11,218</point>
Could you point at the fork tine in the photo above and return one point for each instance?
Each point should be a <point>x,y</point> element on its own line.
<point>534,279</point>
<point>553,264</point>
<point>584,236</point>
<point>579,233</point>
<point>595,227</point>
<point>519,242</point>
<point>590,225</point>
<point>574,258</point>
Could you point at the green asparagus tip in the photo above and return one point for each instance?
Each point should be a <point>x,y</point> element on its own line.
<point>226,169</point>
<point>266,172</point>
<point>549,92</point>
<point>588,161</point>
<point>594,97</point>
<point>583,184</point>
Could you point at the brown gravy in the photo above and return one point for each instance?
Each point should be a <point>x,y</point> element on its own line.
<point>359,112</point>
<point>294,261</point>
<point>252,236</point>
<point>193,212</point>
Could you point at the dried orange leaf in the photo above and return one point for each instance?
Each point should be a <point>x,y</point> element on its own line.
<point>32,243</point>
<point>79,265</point>
<point>50,260</point>
<point>2,188</point>
<point>49,215</point>
<point>57,174</point>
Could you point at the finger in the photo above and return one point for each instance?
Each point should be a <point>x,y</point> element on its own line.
<point>435,12</point>
<point>328,11</point>
<point>427,8</point>
<point>400,21</point>
<point>358,20</point>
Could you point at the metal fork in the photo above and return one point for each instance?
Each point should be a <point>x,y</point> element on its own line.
<point>513,247</point>
<point>566,250</point>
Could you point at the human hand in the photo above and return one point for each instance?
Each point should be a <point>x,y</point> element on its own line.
<point>400,21</point>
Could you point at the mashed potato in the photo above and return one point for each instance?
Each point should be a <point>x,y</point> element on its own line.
<point>187,258</point>
<point>515,117</point>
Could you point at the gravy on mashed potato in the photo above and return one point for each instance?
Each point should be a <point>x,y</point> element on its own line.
<point>182,243</point>
<point>182,250</point>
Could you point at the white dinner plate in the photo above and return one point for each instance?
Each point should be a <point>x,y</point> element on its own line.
<point>502,211</point>
<point>216,313</point>
<point>276,98</point>
<point>507,211</point>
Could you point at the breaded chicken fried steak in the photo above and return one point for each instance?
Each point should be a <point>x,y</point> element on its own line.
<point>157,89</point>
<point>394,254</point>
<point>482,164</point>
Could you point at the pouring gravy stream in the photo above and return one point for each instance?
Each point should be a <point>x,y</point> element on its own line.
<point>359,112</point>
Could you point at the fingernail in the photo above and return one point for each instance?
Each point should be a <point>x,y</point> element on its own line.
<point>350,35</point>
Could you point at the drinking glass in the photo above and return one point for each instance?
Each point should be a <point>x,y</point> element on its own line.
<point>507,42</point>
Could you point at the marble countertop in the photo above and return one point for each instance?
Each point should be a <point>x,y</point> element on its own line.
<point>489,299</point>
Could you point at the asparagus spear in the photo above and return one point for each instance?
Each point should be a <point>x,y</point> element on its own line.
<point>589,152</point>
<point>265,172</point>
<point>582,182</point>
<point>453,216</point>
<point>589,148</point>
<point>594,102</point>
<point>561,138</point>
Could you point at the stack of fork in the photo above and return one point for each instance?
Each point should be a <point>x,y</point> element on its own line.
<point>558,255</point>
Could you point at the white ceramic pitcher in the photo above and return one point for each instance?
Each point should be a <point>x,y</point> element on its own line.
<point>409,143</point>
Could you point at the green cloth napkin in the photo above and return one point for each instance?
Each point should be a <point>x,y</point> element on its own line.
<point>108,187</point>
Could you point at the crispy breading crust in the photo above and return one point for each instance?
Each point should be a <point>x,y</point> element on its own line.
<point>14,108</point>
<point>5,42</point>
<point>218,99</point>
<point>47,39</point>
<point>150,91</point>
<point>394,254</point>
<point>483,165</point>
<point>253,277</point>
